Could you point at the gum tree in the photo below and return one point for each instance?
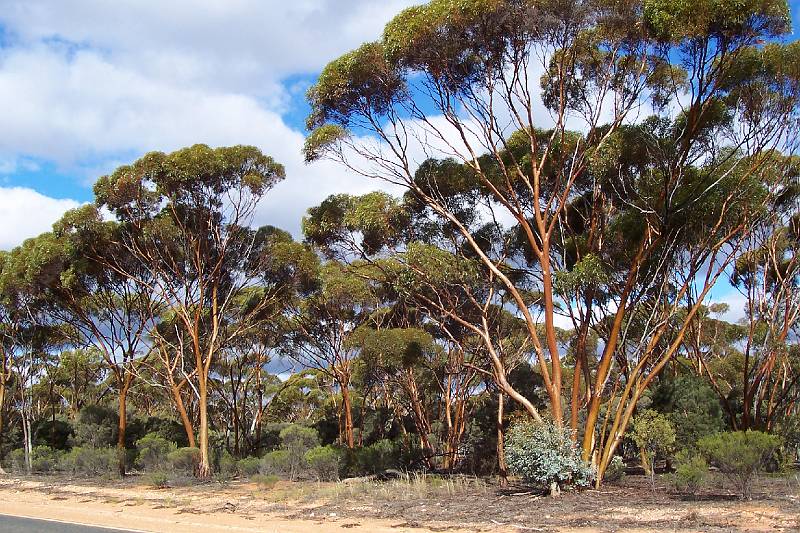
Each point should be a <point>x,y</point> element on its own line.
<point>185,218</point>
<point>530,114</point>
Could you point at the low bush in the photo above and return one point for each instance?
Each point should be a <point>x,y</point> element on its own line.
<point>324,461</point>
<point>87,461</point>
<point>654,435</point>
<point>184,461</point>
<point>546,456</point>
<point>16,461</point>
<point>615,470</point>
<point>378,457</point>
<point>691,472</point>
<point>296,440</point>
<point>158,480</point>
<point>248,466</point>
<point>154,452</point>
<point>266,482</point>
<point>740,456</point>
<point>226,467</point>
<point>275,464</point>
<point>45,459</point>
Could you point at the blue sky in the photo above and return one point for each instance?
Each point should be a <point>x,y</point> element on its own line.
<point>88,85</point>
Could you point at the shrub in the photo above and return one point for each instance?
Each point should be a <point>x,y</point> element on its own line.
<point>266,482</point>
<point>545,455</point>
<point>154,451</point>
<point>654,435</point>
<point>87,461</point>
<point>615,470</point>
<point>691,472</point>
<point>693,408</point>
<point>158,480</point>
<point>296,441</point>
<point>740,455</point>
<point>52,433</point>
<point>324,462</point>
<point>16,461</point>
<point>45,459</point>
<point>184,461</point>
<point>275,464</point>
<point>380,456</point>
<point>248,466</point>
<point>96,427</point>
<point>227,466</point>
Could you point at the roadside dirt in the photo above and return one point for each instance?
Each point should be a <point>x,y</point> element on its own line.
<point>395,507</point>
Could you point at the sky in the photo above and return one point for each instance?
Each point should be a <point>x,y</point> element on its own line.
<point>88,85</point>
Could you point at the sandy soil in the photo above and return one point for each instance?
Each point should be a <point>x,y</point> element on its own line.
<point>138,508</point>
<point>305,507</point>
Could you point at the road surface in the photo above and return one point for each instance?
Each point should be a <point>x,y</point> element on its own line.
<point>13,524</point>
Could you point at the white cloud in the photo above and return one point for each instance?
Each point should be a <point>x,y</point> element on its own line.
<point>26,213</point>
<point>88,85</point>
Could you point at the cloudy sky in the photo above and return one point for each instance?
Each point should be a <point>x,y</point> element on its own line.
<point>86,85</point>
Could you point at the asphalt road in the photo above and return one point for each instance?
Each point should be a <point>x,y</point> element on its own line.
<point>12,524</point>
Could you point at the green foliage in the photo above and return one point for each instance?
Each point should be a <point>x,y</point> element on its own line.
<point>158,480</point>
<point>378,457</point>
<point>588,272</point>
<point>248,466</point>
<point>654,435</point>
<point>16,461</point>
<point>45,459</point>
<point>276,463</point>
<point>544,454</point>
<point>321,140</point>
<point>359,80</point>
<point>740,455</point>
<point>676,20</point>
<point>296,440</point>
<point>55,434</point>
<point>90,462</point>
<point>184,461</point>
<point>154,452</point>
<point>692,407</point>
<point>265,482</point>
<point>324,462</point>
<point>691,472</point>
<point>615,470</point>
<point>227,466</point>
<point>96,427</point>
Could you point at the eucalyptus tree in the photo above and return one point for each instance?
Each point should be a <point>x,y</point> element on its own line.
<point>454,81</point>
<point>29,334</point>
<point>767,274</point>
<point>103,310</point>
<point>186,219</point>
<point>322,326</point>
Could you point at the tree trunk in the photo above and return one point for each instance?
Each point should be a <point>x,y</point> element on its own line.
<point>204,468</point>
<point>187,424</point>
<point>347,407</point>
<point>501,452</point>
<point>123,425</point>
<point>2,404</point>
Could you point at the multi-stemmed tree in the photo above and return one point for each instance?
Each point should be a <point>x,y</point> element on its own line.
<point>186,219</point>
<point>544,171</point>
